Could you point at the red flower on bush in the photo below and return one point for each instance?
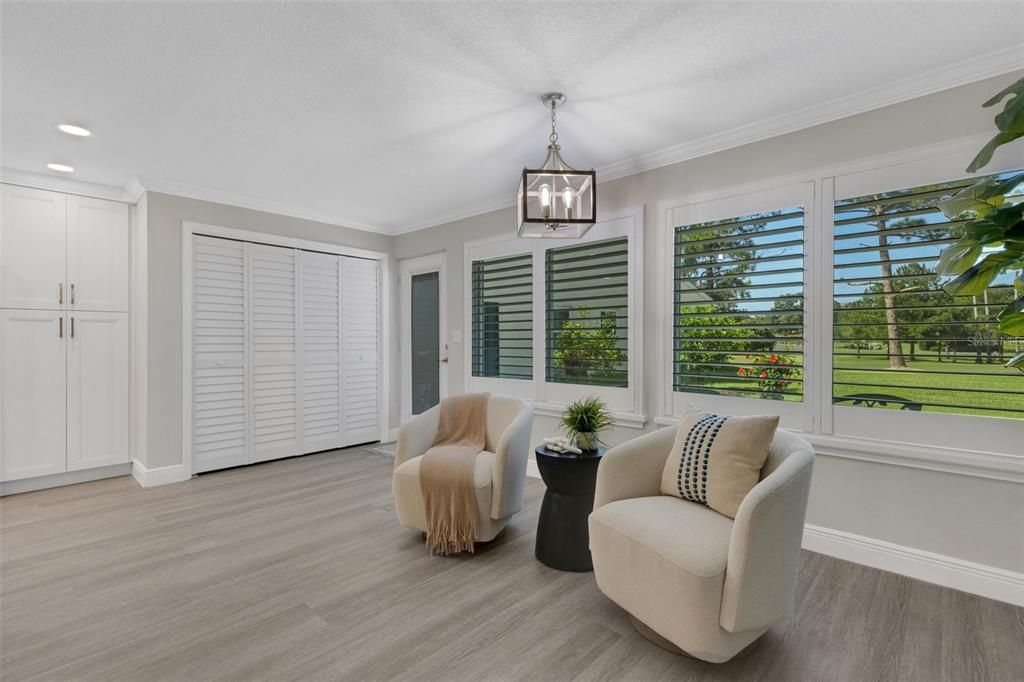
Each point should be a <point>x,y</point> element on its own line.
<point>774,373</point>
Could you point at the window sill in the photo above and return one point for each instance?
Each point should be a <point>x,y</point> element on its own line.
<point>624,419</point>
<point>976,463</point>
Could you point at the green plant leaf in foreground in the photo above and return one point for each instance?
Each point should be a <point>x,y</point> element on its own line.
<point>1010,122</point>
<point>1012,118</point>
<point>956,258</point>
<point>1016,361</point>
<point>980,198</point>
<point>977,278</point>
<point>1014,88</point>
<point>985,155</point>
<point>1011,318</point>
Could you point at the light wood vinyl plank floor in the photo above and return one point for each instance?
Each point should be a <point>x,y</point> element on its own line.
<point>298,570</point>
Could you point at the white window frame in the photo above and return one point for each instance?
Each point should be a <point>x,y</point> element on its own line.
<point>962,431</point>
<point>794,415</point>
<point>550,398</point>
<point>981,446</point>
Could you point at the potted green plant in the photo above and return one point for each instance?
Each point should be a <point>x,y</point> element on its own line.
<point>583,420</point>
<point>992,232</point>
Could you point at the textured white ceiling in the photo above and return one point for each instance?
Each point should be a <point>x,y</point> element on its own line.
<point>393,115</point>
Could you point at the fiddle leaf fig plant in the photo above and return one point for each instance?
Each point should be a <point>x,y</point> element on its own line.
<point>992,238</point>
<point>1010,123</point>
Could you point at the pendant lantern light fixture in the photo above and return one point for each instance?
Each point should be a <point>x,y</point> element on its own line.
<point>556,200</point>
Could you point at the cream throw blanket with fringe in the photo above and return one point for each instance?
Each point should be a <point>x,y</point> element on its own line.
<point>446,474</point>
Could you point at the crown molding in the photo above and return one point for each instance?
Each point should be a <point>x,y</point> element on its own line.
<point>968,71</point>
<point>23,178</point>
<point>469,211</point>
<point>134,190</point>
<point>215,196</point>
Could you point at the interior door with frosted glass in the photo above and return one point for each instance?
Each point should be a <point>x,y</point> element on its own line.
<point>425,342</point>
<point>423,338</point>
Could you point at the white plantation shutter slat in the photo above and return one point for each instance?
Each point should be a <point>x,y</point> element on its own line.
<point>273,351</point>
<point>321,336</point>
<point>285,352</point>
<point>219,422</point>
<point>360,350</point>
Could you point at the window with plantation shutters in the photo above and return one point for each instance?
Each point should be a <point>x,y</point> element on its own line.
<point>554,321</point>
<point>587,313</point>
<point>899,341</point>
<point>502,290</point>
<point>738,306</point>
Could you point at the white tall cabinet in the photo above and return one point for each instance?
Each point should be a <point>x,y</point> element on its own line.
<point>284,352</point>
<point>64,333</point>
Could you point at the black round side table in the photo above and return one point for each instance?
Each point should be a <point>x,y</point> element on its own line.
<point>563,541</point>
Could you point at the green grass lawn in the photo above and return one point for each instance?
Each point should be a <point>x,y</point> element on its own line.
<point>925,380</point>
<point>929,382</point>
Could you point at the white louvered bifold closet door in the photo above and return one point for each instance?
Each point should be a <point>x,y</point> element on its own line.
<point>320,292</point>
<point>360,352</point>
<point>219,347</point>
<point>273,352</point>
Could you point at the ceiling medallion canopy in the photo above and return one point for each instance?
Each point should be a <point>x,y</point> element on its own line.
<point>556,200</point>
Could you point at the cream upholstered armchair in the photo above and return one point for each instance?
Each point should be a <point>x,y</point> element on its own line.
<point>708,584</point>
<point>499,476</point>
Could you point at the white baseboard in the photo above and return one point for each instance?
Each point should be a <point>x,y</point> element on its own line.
<point>149,478</point>
<point>27,485</point>
<point>967,576</point>
<point>958,574</point>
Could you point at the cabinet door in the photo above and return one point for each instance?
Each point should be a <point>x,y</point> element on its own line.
<point>33,393</point>
<point>359,337</point>
<point>99,248</point>
<point>97,389</point>
<point>220,422</point>
<point>320,293</point>
<point>33,249</point>
<point>273,352</point>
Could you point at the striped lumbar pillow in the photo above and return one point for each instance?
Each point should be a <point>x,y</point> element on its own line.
<point>716,460</point>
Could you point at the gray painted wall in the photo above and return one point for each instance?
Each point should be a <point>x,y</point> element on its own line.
<point>958,516</point>
<point>164,215</point>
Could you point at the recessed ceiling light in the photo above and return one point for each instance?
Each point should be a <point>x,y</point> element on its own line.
<point>70,129</point>
<point>60,167</point>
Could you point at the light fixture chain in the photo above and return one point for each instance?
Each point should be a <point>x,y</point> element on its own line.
<point>554,134</point>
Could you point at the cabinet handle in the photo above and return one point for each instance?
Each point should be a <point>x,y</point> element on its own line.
<point>61,333</point>
<point>72,325</point>
<point>72,297</point>
<point>60,293</point>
